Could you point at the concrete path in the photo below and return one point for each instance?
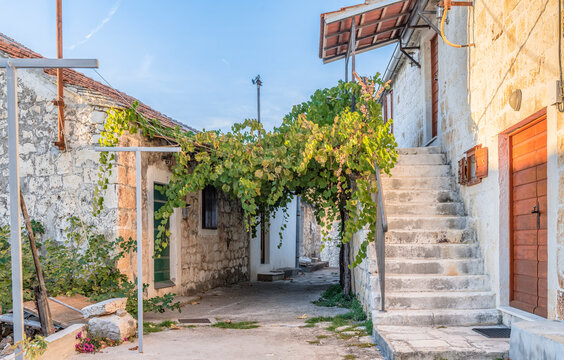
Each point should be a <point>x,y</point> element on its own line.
<point>276,306</point>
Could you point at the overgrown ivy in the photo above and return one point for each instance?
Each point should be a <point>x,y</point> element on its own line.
<point>325,151</point>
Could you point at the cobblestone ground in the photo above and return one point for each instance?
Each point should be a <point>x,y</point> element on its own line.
<point>278,307</point>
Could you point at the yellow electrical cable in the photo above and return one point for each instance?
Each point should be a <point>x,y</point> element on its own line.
<point>445,10</point>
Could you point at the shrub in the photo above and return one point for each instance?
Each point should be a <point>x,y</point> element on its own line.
<point>85,264</point>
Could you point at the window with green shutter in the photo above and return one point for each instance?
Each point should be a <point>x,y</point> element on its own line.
<point>162,257</point>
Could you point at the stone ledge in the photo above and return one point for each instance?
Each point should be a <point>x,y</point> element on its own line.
<point>540,339</point>
<point>431,343</point>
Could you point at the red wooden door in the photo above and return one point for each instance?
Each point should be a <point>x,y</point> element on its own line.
<point>528,218</point>
<point>434,85</point>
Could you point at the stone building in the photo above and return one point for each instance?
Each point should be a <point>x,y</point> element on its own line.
<point>475,204</point>
<point>207,248</point>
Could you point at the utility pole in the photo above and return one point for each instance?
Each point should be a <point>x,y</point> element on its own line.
<point>59,101</point>
<point>258,82</point>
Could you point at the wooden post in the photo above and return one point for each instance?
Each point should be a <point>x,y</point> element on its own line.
<point>40,291</point>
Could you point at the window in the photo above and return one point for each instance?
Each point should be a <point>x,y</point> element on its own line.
<point>209,208</point>
<point>473,167</point>
<point>162,256</point>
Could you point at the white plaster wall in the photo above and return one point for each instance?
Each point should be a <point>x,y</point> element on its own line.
<point>282,257</point>
<point>516,48</point>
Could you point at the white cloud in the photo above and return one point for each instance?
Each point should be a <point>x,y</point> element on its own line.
<point>113,10</point>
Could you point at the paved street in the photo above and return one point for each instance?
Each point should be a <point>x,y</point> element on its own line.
<point>276,306</point>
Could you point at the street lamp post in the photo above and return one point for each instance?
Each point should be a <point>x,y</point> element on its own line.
<point>258,82</point>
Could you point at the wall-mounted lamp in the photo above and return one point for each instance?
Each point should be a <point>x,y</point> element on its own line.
<point>515,99</point>
<point>186,211</point>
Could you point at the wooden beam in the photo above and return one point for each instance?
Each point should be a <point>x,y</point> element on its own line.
<point>370,23</point>
<point>365,37</point>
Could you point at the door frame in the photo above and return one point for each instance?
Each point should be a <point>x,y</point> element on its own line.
<point>505,203</point>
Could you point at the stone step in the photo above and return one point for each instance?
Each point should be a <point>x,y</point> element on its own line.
<point>438,283</point>
<point>437,317</point>
<point>449,267</point>
<point>420,196</point>
<point>440,251</point>
<point>452,236</point>
<point>420,170</point>
<point>419,150</point>
<point>271,276</point>
<point>439,300</point>
<point>422,159</point>
<point>426,222</point>
<point>412,183</point>
<point>399,209</point>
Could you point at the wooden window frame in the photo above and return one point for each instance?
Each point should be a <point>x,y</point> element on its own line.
<point>478,156</point>
<point>209,224</point>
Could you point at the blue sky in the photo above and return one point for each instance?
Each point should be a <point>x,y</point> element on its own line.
<point>194,60</point>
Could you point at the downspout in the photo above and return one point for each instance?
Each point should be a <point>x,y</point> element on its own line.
<point>299,226</point>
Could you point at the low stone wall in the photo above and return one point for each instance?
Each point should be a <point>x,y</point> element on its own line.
<point>363,279</point>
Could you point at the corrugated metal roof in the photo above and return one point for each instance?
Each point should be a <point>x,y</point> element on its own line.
<point>377,23</point>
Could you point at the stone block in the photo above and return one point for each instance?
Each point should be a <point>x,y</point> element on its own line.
<point>109,306</point>
<point>114,327</point>
<point>542,339</point>
<point>126,197</point>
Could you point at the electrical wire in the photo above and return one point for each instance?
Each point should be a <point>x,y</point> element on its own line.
<point>445,10</point>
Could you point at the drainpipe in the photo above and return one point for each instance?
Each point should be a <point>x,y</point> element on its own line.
<point>298,230</point>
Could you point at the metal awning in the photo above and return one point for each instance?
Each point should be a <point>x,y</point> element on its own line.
<point>376,23</point>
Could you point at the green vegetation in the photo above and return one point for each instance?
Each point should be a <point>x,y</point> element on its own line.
<point>85,264</point>
<point>334,297</point>
<point>322,151</point>
<point>149,327</point>
<point>236,325</point>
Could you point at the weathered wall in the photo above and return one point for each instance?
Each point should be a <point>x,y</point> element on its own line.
<point>516,48</point>
<point>312,239</point>
<point>276,257</point>
<point>523,37</point>
<point>56,184</point>
<point>365,275</point>
<point>409,104</point>
<point>60,184</point>
<point>200,258</point>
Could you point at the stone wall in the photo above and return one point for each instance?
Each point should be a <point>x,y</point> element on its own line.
<point>365,275</point>
<point>56,184</point>
<point>312,239</point>
<point>200,258</point>
<point>60,184</point>
<point>523,37</point>
<point>516,48</point>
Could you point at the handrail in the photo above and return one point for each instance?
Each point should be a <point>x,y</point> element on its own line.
<point>380,240</point>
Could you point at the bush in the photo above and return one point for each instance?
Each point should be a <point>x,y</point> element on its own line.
<point>85,264</point>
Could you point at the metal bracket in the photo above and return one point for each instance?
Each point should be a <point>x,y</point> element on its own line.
<point>402,49</point>
<point>428,21</point>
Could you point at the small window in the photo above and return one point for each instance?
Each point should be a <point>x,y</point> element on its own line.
<point>209,208</point>
<point>473,167</point>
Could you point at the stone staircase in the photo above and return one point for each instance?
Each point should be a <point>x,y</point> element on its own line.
<point>434,268</point>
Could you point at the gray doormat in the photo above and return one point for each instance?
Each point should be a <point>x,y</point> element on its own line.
<point>494,333</point>
<point>194,321</point>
